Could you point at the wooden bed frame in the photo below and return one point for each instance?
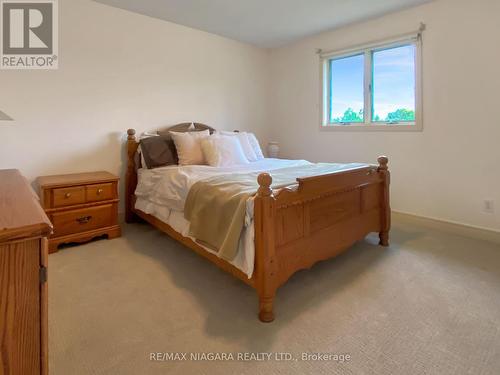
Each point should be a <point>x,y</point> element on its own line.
<point>297,226</point>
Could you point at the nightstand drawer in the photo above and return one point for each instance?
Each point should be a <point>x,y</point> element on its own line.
<point>100,192</point>
<point>81,220</point>
<point>68,196</point>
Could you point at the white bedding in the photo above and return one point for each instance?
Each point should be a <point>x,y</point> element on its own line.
<point>162,192</point>
<point>170,185</point>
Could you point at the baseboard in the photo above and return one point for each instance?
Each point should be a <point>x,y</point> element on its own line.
<point>479,233</point>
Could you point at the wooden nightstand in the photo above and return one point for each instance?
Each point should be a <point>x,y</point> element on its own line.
<point>80,206</point>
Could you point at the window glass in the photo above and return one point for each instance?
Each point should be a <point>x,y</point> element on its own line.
<point>346,89</point>
<point>393,89</point>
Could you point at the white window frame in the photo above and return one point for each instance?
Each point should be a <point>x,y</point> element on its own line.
<point>367,50</point>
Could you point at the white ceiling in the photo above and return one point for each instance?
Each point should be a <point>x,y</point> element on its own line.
<point>265,23</point>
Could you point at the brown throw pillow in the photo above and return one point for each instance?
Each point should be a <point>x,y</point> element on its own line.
<point>158,151</point>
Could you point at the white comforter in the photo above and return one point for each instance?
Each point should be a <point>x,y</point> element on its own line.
<point>162,192</point>
<point>170,185</point>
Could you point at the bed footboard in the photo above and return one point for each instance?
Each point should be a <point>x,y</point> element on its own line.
<point>314,220</point>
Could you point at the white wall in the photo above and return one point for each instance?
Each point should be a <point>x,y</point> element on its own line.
<point>447,170</point>
<point>120,70</point>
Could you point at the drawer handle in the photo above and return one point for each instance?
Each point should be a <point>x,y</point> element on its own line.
<point>67,195</point>
<point>84,219</point>
<point>99,191</point>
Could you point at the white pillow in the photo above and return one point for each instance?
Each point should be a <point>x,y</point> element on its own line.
<point>255,145</point>
<point>223,151</point>
<point>245,144</point>
<point>188,146</point>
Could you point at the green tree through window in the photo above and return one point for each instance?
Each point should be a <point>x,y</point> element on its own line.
<point>399,115</point>
<point>350,116</point>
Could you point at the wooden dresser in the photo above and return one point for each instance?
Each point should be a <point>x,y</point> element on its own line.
<point>81,206</point>
<point>23,278</point>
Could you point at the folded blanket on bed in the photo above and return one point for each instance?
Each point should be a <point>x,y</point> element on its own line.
<point>216,206</point>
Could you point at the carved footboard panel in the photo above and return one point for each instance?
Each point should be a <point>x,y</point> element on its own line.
<point>315,220</point>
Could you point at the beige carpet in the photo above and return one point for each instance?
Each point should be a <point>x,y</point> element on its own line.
<point>429,304</point>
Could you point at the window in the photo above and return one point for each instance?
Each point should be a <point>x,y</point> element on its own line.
<point>374,88</point>
<point>346,89</point>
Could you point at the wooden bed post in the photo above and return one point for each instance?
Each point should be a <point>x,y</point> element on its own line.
<point>131,176</point>
<point>385,220</point>
<point>264,247</point>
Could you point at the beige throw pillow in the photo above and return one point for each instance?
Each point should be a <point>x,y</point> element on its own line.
<point>188,146</point>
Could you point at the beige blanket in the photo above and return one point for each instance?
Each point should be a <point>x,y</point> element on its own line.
<point>216,207</point>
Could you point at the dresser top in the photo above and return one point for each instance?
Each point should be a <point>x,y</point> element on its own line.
<point>75,179</point>
<point>21,215</point>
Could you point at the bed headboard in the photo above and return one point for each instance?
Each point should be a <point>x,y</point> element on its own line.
<point>186,127</point>
<point>131,173</point>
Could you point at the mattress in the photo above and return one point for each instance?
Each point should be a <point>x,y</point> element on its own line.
<point>162,192</point>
